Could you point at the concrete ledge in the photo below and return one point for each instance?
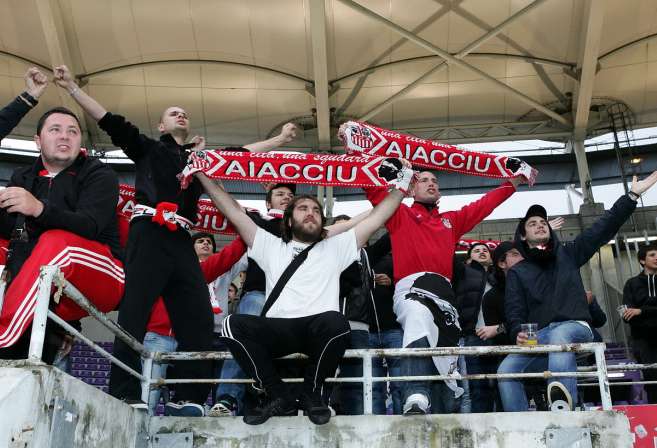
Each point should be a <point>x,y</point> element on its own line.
<point>27,394</point>
<point>513,430</point>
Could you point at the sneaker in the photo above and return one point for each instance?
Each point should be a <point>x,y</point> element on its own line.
<point>183,409</point>
<point>559,398</point>
<point>137,405</point>
<point>269,408</point>
<point>224,407</point>
<point>416,404</point>
<point>313,406</point>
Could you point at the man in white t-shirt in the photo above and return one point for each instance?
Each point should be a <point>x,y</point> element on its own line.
<point>305,318</point>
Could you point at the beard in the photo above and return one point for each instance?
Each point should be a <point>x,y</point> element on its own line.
<point>539,241</point>
<point>306,235</point>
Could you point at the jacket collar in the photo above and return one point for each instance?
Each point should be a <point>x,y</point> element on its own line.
<point>169,140</point>
<point>424,210</point>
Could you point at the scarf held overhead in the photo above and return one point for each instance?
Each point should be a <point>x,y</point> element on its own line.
<point>367,139</point>
<point>345,170</point>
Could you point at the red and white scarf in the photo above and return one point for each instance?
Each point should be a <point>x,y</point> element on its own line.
<point>364,138</point>
<point>208,218</point>
<point>345,170</point>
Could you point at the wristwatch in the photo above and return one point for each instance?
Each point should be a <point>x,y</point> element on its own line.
<point>634,196</point>
<point>501,329</point>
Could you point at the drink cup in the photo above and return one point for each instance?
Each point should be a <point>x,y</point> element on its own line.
<point>531,330</point>
<point>621,310</point>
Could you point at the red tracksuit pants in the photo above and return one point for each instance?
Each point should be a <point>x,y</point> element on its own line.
<point>88,265</point>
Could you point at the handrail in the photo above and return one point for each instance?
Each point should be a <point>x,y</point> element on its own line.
<point>49,273</point>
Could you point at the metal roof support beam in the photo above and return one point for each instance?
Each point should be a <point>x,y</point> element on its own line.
<point>320,72</point>
<point>587,64</point>
<point>443,64</point>
<point>454,60</point>
<point>51,18</point>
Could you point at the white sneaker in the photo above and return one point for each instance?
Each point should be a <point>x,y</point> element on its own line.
<point>416,404</point>
<point>559,398</point>
<point>221,409</point>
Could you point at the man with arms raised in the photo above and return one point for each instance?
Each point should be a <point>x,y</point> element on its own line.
<point>423,245</point>
<point>304,317</point>
<point>160,258</point>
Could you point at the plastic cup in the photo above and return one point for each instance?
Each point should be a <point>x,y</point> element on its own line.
<point>531,331</point>
<point>621,310</point>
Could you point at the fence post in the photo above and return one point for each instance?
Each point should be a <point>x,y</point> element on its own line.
<point>603,379</point>
<point>367,383</point>
<point>147,372</point>
<point>46,276</point>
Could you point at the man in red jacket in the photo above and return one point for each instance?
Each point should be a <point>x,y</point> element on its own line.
<point>423,244</point>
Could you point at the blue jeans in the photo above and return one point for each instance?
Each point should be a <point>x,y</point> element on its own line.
<point>512,391</point>
<point>251,303</point>
<point>158,343</point>
<point>440,396</point>
<point>483,393</point>
<point>351,394</point>
<point>386,339</point>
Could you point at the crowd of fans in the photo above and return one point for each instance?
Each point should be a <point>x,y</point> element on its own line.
<point>292,283</point>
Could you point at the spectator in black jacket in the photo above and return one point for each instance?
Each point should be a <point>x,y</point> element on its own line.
<point>60,210</point>
<point>546,288</point>
<point>479,288</point>
<point>640,297</point>
<point>160,258</point>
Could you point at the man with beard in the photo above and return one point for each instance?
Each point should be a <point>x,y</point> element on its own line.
<point>301,313</point>
<point>423,246</point>
<point>546,288</point>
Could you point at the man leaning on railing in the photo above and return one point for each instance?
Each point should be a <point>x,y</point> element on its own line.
<point>59,211</point>
<point>546,288</point>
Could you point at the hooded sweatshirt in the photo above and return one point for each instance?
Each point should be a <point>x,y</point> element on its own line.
<point>641,292</point>
<point>547,287</point>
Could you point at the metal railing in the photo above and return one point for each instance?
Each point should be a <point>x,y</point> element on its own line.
<point>50,274</point>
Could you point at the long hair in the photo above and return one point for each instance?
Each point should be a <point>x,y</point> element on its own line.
<point>286,224</point>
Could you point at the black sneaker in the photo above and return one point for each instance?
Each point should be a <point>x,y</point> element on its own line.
<point>559,398</point>
<point>269,408</point>
<point>313,406</point>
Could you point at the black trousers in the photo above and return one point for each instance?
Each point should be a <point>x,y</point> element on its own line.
<point>646,353</point>
<point>160,262</point>
<point>256,341</point>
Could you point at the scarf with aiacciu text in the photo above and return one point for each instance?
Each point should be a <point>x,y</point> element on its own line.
<point>363,138</point>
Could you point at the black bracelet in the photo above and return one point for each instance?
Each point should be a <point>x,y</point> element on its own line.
<point>634,196</point>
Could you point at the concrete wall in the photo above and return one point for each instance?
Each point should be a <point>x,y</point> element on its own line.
<point>27,394</point>
<point>495,430</point>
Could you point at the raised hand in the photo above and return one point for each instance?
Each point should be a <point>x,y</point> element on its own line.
<point>640,186</point>
<point>35,82</point>
<point>64,78</point>
<point>198,142</point>
<point>557,223</point>
<point>288,133</point>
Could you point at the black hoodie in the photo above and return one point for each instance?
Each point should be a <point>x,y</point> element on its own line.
<point>641,292</point>
<point>550,289</point>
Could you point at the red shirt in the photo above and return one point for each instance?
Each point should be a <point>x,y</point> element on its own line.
<point>425,241</point>
<point>214,266</point>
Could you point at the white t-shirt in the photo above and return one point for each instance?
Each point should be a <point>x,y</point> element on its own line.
<point>315,286</point>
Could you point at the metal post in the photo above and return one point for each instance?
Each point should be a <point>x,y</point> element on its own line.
<point>367,383</point>
<point>46,275</point>
<point>630,261</point>
<point>603,379</point>
<point>147,372</point>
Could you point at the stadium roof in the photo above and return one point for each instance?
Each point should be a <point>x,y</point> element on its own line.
<point>516,69</point>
